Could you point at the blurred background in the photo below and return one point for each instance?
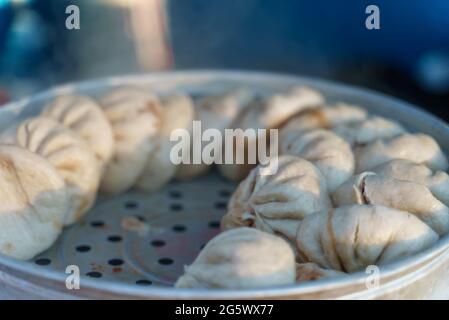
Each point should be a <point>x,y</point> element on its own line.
<point>408,57</point>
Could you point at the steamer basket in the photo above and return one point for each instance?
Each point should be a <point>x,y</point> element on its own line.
<point>116,261</point>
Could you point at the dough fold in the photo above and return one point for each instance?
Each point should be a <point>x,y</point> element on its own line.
<point>277,203</point>
<point>369,130</point>
<point>85,117</point>
<point>351,238</point>
<point>326,150</point>
<point>177,113</point>
<point>415,198</point>
<point>437,182</point>
<point>419,148</point>
<point>135,116</point>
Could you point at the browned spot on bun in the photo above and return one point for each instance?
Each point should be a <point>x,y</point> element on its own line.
<point>155,109</point>
<point>8,247</point>
<point>307,272</point>
<point>6,163</point>
<point>320,118</point>
<point>132,224</point>
<point>118,137</point>
<point>12,177</point>
<point>68,166</point>
<point>233,220</point>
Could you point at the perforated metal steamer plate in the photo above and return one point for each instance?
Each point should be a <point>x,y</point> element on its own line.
<point>143,240</point>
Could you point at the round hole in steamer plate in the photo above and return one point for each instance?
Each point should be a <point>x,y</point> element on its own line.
<point>221,205</point>
<point>176,207</point>
<point>116,262</point>
<point>166,261</point>
<point>94,274</point>
<point>214,224</point>
<point>179,228</point>
<point>140,218</point>
<point>83,248</point>
<point>144,282</point>
<point>175,194</point>
<point>114,238</point>
<point>97,224</point>
<point>42,261</point>
<point>130,204</point>
<point>224,193</point>
<point>158,243</point>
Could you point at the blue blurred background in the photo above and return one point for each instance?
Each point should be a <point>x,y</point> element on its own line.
<point>408,57</point>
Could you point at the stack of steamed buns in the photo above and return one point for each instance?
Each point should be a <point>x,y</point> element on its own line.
<point>351,189</point>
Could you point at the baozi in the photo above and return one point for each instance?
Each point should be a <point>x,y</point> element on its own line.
<point>218,112</point>
<point>325,117</point>
<point>177,113</point>
<point>221,110</point>
<point>369,130</point>
<point>68,153</point>
<point>350,238</point>
<point>135,115</point>
<point>274,110</point>
<point>419,148</point>
<point>415,198</point>
<point>34,203</point>
<point>325,149</point>
<point>278,202</point>
<point>267,113</point>
<point>84,116</point>
<point>240,259</point>
<point>437,182</point>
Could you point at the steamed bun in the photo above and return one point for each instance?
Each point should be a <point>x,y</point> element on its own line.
<point>369,130</point>
<point>177,113</point>
<point>350,238</point>
<point>325,149</point>
<point>218,112</point>
<point>34,203</point>
<point>419,148</point>
<point>135,115</point>
<point>277,202</point>
<point>68,153</point>
<point>325,117</point>
<point>240,259</point>
<point>415,198</point>
<point>437,182</point>
<point>85,117</point>
<point>266,113</point>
